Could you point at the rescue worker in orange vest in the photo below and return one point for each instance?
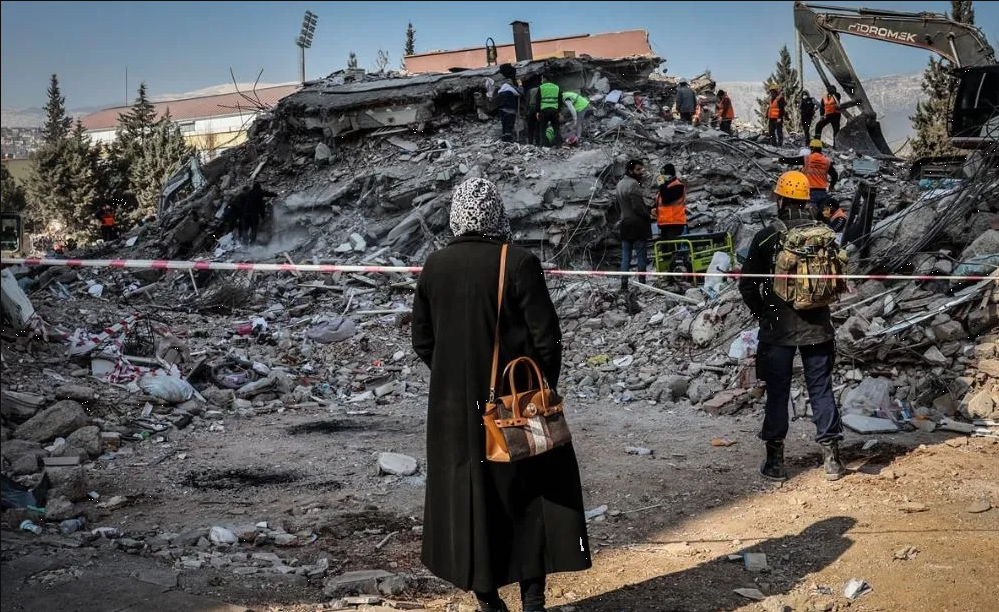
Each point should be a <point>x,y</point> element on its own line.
<point>775,116</point>
<point>671,205</point>
<point>821,173</point>
<point>107,223</point>
<point>834,215</point>
<point>830,113</point>
<point>724,112</point>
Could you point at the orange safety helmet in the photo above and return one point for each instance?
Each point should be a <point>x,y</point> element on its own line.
<point>793,185</point>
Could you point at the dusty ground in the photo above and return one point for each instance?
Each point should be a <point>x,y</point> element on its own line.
<point>673,517</point>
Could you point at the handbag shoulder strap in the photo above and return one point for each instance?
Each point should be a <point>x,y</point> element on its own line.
<point>499,313</point>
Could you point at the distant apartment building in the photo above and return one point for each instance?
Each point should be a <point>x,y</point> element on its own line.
<point>211,124</point>
<point>608,45</point>
<point>19,142</point>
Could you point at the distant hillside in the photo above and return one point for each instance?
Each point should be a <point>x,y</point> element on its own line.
<point>894,99</point>
<point>35,117</point>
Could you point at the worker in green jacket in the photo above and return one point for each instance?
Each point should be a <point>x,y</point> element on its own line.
<point>580,109</point>
<point>549,109</point>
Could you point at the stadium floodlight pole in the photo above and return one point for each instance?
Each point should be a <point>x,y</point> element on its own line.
<point>304,40</point>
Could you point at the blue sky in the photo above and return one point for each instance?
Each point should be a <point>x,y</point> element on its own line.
<point>184,46</point>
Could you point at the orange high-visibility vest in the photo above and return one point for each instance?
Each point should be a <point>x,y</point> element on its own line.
<point>672,213</point>
<point>830,104</point>
<point>725,110</point>
<point>839,214</point>
<point>816,168</point>
<point>774,111</point>
<point>107,220</point>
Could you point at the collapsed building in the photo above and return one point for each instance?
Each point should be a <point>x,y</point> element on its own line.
<point>364,166</point>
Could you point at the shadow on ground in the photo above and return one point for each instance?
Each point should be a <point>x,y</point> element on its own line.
<point>709,587</point>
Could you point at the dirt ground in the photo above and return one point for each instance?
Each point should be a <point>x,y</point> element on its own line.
<point>673,517</point>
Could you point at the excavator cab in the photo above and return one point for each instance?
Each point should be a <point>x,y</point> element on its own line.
<point>974,121</point>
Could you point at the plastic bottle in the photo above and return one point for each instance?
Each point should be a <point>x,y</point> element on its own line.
<point>70,525</point>
<point>29,526</point>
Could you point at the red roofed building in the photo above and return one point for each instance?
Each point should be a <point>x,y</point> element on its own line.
<point>610,45</point>
<point>210,124</point>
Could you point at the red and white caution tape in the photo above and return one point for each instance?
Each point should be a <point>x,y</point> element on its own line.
<point>165,264</point>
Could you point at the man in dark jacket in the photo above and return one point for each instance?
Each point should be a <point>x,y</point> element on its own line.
<point>636,220</point>
<point>784,332</point>
<point>686,102</point>
<point>508,98</point>
<point>251,208</point>
<point>807,109</point>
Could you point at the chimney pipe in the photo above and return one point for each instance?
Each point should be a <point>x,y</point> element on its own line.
<point>522,40</point>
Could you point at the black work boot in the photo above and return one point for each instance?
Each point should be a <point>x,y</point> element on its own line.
<point>773,467</point>
<point>830,460</point>
<point>500,606</point>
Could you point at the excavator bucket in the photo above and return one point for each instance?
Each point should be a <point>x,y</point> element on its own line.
<point>863,134</point>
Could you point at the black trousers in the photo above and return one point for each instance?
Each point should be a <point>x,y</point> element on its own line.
<point>832,120</point>
<point>533,129</point>
<point>774,366</point>
<point>806,125</point>
<point>532,595</point>
<point>775,129</point>
<point>509,121</point>
<point>107,233</point>
<point>687,117</point>
<point>725,125</point>
<point>550,116</point>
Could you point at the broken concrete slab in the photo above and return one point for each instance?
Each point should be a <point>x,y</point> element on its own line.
<point>868,425</point>
<point>59,420</point>
<point>396,464</point>
<point>363,582</point>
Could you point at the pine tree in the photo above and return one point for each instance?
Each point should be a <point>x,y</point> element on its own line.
<point>786,78</point>
<point>352,60</point>
<point>80,213</point>
<point>939,87</point>
<point>163,151</point>
<point>12,195</point>
<point>57,124</point>
<point>138,121</point>
<point>410,47</point>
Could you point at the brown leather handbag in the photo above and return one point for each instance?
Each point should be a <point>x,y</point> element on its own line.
<point>523,423</point>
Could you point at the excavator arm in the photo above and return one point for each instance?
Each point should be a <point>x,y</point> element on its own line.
<point>961,44</point>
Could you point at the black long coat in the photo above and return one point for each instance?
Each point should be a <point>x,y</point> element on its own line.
<point>487,524</point>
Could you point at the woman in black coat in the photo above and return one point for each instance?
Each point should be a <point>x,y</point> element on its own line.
<point>490,524</point>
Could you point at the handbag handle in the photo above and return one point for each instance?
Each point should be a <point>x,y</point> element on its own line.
<point>509,373</point>
<point>499,313</point>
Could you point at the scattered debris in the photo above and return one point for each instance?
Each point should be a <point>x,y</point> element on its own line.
<point>856,588</point>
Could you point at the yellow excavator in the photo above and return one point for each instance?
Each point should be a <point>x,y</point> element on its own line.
<point>974,120</point>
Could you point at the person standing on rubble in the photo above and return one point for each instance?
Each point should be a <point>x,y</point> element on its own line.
<point>489,524</point>
<point>252,211</point>
<point>686,102</point>
<point>636,220</point>
<point>107,223</point>
<point>580,109</point>
<point>776,111</point>
<point>830,113</point>
<point>807,110</point>
<point>508,98</point>
<point>822,175</point>
<point>671,205</point>
<point>550,105</point>
<point>784,332</point>
<point>533,115</point>
<point>724,112</point>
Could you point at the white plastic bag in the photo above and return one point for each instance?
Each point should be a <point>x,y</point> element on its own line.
<point>167,388</point>
<point>871,398</point>
<point>745,344</point>
<point>720,263</point>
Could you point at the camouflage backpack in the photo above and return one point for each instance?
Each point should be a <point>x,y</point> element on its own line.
<point>809,249</point>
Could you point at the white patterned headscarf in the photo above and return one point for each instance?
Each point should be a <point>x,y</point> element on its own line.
<point>477,208</point>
